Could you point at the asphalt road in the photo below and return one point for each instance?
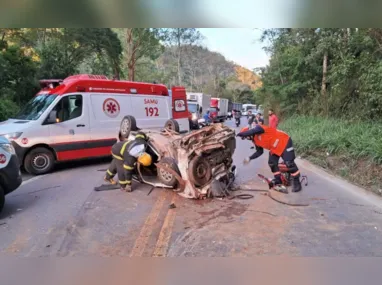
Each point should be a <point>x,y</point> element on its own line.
<point>59,214</point>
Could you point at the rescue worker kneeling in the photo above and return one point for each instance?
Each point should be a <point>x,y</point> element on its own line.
<point>126,154</point>
<point>279,145</point>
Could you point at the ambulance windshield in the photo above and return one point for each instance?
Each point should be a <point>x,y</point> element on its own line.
<point>35,107</point>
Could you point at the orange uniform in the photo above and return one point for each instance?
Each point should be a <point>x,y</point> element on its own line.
<point>272,139</point>
<point>279,145</point>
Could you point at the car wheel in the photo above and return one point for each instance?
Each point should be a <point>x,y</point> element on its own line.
<point>200,171</point>
<point>2,198</point>
<point>128,124</point>
<point>165,177</point>
<point>172,125</point>
<point>39,161</point>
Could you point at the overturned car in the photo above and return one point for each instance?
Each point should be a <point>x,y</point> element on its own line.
<point>190,164</point>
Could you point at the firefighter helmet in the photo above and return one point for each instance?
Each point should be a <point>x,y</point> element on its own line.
<point>244,130</point>
<point>145,159</point>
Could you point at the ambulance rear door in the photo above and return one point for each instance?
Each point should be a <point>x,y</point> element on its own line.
<point>179,108</point>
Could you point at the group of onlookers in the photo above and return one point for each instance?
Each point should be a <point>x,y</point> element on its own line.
<point>258,119</point>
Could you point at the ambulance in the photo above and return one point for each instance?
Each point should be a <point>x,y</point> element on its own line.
<point>80,117</point>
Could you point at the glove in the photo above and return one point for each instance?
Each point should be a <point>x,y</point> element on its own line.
<point>246,160</point>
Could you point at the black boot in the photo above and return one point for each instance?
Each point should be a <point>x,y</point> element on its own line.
<point>277,180</point>
<point>296,184</point>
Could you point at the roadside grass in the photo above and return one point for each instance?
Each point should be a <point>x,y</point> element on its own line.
<point>352,150</point>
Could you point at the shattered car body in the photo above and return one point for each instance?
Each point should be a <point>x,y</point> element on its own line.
<point>194,161</point>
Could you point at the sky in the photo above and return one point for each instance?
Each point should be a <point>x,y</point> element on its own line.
<point>239,45</point>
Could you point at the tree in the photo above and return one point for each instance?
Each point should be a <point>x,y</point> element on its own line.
<point>140,43</point>
<point>329,72</point>
<point>64,53</point>
<point>102,41</point>
<point>181,37</point>
<point>17,80</point>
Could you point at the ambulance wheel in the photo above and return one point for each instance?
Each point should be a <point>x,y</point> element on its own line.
<point>39,161</point>
<point>165,177</point>
<point>2,198</point>
<point>172,125</point>
<point>128,124</point>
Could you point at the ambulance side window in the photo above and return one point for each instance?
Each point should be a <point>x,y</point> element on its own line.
<point>69,107</point>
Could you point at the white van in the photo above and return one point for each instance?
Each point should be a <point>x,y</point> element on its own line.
<point>247,107</point>
<point>80,117</point>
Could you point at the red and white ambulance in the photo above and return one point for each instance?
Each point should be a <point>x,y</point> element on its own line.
<point>80,116</point>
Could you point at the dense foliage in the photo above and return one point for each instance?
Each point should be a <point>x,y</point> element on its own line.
<point>349,149</point>
<point>167,56</point>
<point>326,72</point>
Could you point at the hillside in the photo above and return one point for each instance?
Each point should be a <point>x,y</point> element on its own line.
<point>248,77</point>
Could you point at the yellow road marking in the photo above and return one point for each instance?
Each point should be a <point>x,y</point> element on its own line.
<point>166,231</point>
<point>141,241</point>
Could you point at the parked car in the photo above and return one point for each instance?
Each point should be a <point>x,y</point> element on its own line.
<point>10,175</point>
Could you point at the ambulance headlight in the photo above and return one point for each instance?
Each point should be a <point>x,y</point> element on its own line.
<point>194,117</point>
<point>13,136</point>
<point>8,148</point>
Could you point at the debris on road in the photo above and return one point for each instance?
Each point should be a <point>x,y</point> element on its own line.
<point>172,206</point>
<point>151,190</point>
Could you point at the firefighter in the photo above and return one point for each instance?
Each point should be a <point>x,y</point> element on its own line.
<point>279,145</point>
<point>126,153</point>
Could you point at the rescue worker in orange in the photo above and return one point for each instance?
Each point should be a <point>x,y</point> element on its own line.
<point>126,154</point>
<point>279,145</point>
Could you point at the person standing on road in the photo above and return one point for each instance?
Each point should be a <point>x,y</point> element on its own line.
<point>259,119</point>
<point>237,117</point>
<point>207,117</point>
<point>112,170</point>
<point>126,154</point>
<point>279,145</point>
<point>273,119</point>
<point>251,119</point>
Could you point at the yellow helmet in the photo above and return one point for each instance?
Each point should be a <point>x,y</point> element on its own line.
<point>145,159</point>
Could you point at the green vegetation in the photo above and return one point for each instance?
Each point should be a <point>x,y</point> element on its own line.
<point>335,137</point>
<point>324,72</point>
<point>326,86</point>
<point>350,149</point>
<point>166,56</point>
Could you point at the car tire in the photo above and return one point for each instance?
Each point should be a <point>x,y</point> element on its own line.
<point>167,178</point>
<point>172,125</point>
<point>37,156</point>
<point>128,124</point>
<point>200,171</point>
<point>2,198</point>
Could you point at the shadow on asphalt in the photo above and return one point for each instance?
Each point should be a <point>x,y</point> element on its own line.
<point>13,207</point>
